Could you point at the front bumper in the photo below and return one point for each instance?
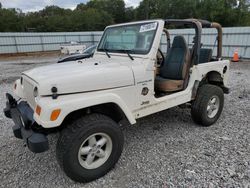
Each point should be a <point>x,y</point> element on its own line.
<point>22,115</point>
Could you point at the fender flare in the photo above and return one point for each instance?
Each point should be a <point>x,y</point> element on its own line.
<point>72,103</point>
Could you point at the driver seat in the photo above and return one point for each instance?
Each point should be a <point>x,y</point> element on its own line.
<point>174,71</point>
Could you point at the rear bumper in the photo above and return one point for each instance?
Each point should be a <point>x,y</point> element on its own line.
<point>22,115</point>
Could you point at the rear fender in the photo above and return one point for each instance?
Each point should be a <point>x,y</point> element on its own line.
<point>215,73</point>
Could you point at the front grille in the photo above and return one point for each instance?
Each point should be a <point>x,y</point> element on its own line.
<point>28,92</point>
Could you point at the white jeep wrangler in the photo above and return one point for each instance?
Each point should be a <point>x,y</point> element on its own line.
<point>129,77</point>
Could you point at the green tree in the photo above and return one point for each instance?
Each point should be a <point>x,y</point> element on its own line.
<point>116,8</point>
<point>90,20</point>
<point>50,19</point>
<point>11,20</point>
<point>97,14</point>
<point>81,7</point>
<point>227,12</point>
<point>130,14</point>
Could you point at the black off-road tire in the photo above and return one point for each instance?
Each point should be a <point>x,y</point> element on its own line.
<point>199,106</point>
<point>73,136</point>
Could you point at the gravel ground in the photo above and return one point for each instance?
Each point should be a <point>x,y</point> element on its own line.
<point>163,150</point>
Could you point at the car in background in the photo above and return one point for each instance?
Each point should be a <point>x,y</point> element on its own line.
<point>87,53</point>
<point>72,48</point>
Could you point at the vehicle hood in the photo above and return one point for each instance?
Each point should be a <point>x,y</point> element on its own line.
<point>80,76</point>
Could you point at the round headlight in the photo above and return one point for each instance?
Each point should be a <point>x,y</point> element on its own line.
<point>35,92</point>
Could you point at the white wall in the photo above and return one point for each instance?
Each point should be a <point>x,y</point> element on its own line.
<point>233,38</point>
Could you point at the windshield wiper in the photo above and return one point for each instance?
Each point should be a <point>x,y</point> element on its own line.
<point>127,52</point>
<point>106,52</point>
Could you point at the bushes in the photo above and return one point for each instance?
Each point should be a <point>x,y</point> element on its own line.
<point>96,14</point>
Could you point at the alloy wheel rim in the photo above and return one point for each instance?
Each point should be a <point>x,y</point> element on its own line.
<point>213,106</point>
<point>95,150</point>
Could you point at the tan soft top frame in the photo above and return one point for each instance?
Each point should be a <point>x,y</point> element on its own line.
<point>197,25</point>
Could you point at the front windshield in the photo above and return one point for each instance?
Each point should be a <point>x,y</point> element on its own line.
<point>135,39</point>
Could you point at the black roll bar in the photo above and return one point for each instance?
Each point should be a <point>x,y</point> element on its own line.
<point>197,40</point>
<point>198,25</point>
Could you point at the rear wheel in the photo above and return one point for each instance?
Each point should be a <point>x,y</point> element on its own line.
<point>89,147</point>
<point>208,105</point>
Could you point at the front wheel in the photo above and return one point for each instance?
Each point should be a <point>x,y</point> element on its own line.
<point>89,147</point>
<point>208,105</point>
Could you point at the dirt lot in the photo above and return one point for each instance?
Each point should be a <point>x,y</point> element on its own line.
<point>163,150</point>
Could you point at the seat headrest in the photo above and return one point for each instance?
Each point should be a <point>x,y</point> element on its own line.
<point>179,42</point>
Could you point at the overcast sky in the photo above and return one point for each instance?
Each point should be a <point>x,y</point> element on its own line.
<point>33,5</point>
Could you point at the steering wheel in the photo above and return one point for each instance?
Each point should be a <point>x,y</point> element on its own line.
<point>160,58</point>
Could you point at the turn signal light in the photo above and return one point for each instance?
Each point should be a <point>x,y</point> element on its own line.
<point>15,85</point>
<point>55,114</point>
<point>38,110</point>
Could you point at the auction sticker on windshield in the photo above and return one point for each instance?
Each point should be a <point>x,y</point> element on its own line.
<point>148,27</point>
